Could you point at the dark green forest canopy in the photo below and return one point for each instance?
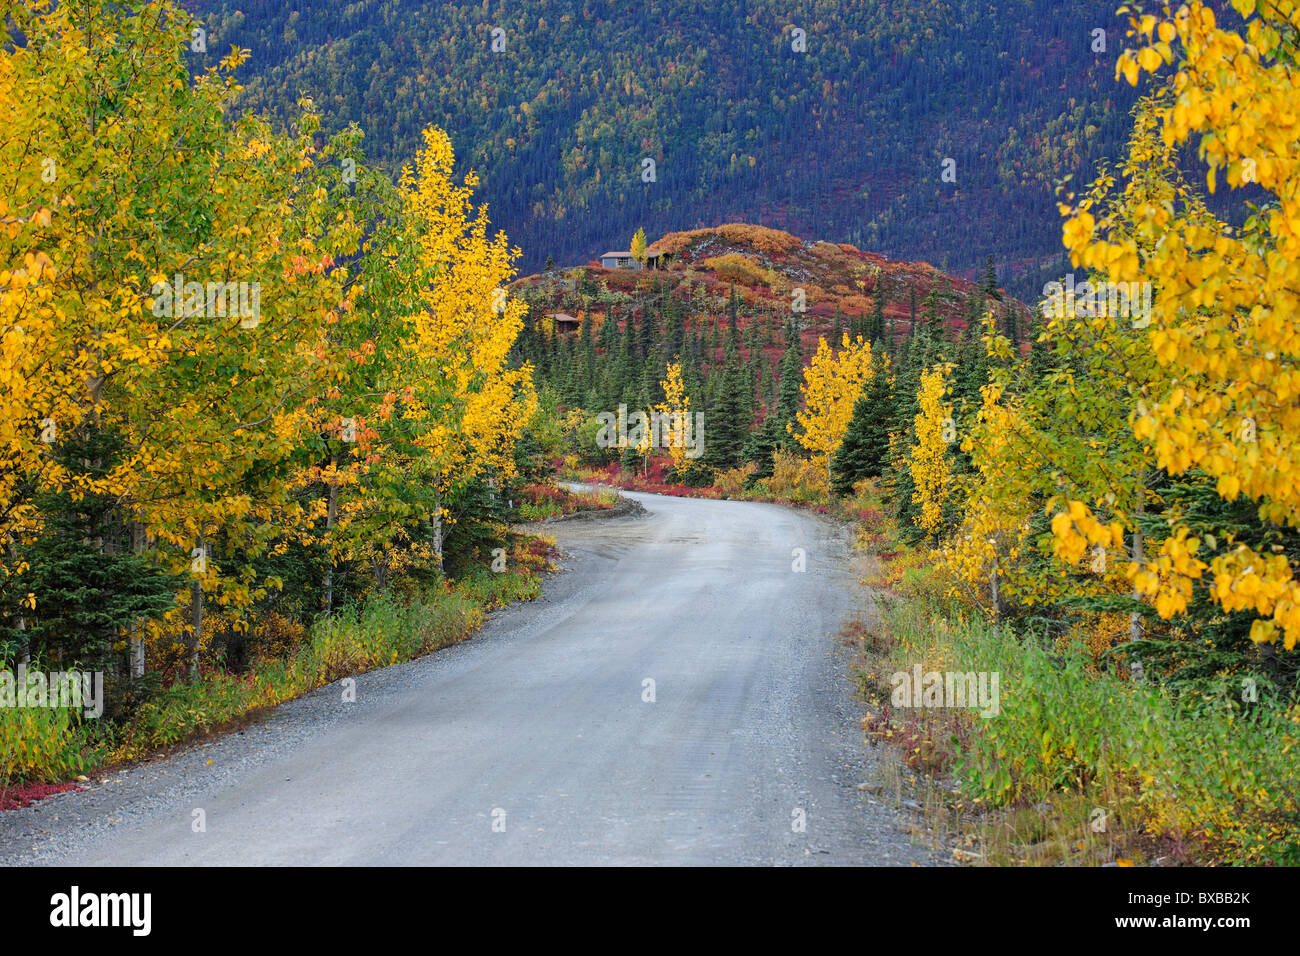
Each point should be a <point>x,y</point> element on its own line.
<point>845,140</point>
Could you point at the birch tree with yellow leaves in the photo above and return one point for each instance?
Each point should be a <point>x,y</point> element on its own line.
<point>928,459</point>
<point>1224,320</point>
<point>833,381</point>
<point>675,416</point>
<point>463,402</point>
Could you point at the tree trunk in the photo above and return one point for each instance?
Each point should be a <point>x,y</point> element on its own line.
<point>997,608</point>
<point>1135,617</point>
<point>196,633</point>
<point>331,513</point>
<point>437,530</point>
<point>24,646</point>
<point>137,629</point>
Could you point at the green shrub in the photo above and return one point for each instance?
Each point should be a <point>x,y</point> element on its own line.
<point>41,744</point>
<point>1220,776</point>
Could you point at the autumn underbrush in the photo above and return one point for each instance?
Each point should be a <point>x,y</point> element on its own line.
<point>538,502</point>
<point>1072,766</point>
<point>44,745</point>
<point>656,478</point>
<point>520,569</point>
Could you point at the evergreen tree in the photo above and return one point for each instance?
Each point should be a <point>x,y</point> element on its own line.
<point>972,362</point>
<point>728,421</point>
<point>627,366</point>
<point>989,283</point>
<point>674,334</point>
<point>574,386</point>
<point>762,443</point>
<point>864,452</point>
<point>975,312</point>
<point>646,340</point>
<point>587,346</point>
<point>918,353</point>
<point>653,372</point>
<point>89,583</point>
<point>691,372</point>
<point>608,331</point>
<point>1011,326</point>
<point>790,392</point>
<point>970,375</point>
<point>1040,352</point>
<point>932,315</point>
<point>876,323</point>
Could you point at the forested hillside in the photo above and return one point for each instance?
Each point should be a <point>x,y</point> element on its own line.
<point>741,310</point>
<point>838,131</point>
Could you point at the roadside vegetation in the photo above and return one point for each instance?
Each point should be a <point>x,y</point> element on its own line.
<point>261,424</point>
<point>538,502</point>
<point>43,745</point>
<point>1083,763</point>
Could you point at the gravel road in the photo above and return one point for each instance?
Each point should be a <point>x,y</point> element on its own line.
<point>537,743</point>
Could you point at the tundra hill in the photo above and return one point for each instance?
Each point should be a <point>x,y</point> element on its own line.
<point>765,270</point>
<point>724,301</point>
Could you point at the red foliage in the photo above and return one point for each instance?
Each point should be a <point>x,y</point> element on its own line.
<point>871,520</point>
<point>653,481</point>
<point>538,493</point>
<point>11,798</point>
<point>561,498</point>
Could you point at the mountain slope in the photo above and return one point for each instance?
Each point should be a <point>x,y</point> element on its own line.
<point>845,138</point>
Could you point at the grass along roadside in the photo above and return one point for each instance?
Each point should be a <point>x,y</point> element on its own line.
<point>539,502</point>
<point>42,745</point>
<point>1074,767</point>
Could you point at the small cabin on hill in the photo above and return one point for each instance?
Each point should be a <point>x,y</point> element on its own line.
<point>625,260</point>
<point>564,322</point>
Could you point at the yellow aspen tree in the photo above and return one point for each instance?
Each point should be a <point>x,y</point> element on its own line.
<point>638,246</point>
<point>1226,317</point>
<point>928,459</point>
<point>463,402</point>
<point>675,414</point>
<point>1063,436</point>
<point>832,383</point>
<point>988,547</point>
